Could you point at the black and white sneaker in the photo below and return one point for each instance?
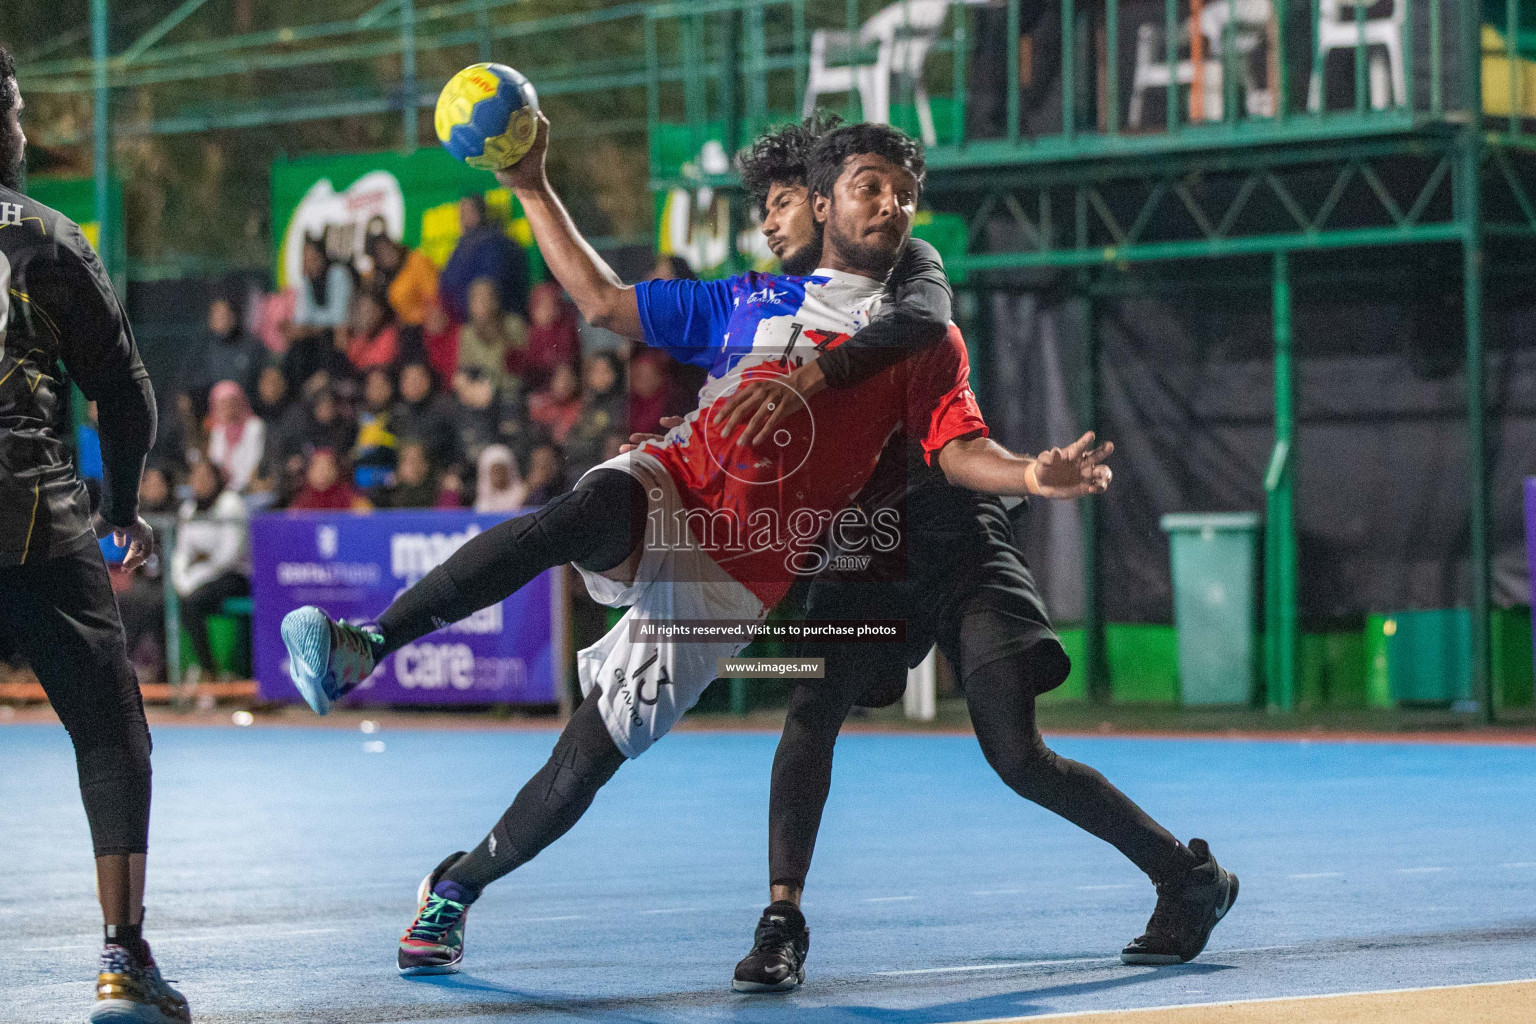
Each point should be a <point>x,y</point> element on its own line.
<point>1187,912</point>
<point>779,945</point>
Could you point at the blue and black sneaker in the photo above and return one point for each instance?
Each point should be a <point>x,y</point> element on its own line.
<point>779,945</point>
<point>326,658</point>
<point>434,943</point>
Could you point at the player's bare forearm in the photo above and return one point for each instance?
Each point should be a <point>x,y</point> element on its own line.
<point>598,292</point>
<point>981,464</point>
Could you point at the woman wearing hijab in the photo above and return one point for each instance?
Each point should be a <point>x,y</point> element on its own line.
<point>326,487</point>
<point>236,435</point>
<point>498,488</point>
<point>212,558</point>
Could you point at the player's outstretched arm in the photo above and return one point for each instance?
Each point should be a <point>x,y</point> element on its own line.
<point>597,291</point>
<point>981,464</point>
<point>916,316</point>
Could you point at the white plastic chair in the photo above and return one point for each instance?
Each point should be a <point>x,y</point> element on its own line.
<point>1151,71</point>
<point>901,35</point>
<point>1250,27</point>
<point>1336,30</point>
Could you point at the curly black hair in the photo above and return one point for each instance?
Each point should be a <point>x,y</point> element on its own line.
<point>7,75</point>
<point>833,149</point>
<point>780,156</point>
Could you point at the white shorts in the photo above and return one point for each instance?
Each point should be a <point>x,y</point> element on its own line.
<point>648,686</point>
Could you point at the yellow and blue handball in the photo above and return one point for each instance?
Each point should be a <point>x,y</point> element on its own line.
<point>487,116</point>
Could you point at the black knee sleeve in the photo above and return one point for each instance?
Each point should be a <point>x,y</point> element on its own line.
<point>112,762</point>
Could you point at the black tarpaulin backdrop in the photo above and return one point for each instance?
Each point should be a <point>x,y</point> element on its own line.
<point>1186,393</point>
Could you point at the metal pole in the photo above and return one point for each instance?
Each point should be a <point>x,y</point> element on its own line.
<point>1279,527</point>
<point>101,113</point>
<point>483,27</point>
<point>1471,216</point>
<point>1095,672</point>
<point>411,93</point>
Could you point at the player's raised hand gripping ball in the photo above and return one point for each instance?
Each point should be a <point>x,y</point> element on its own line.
<point>487,116</point>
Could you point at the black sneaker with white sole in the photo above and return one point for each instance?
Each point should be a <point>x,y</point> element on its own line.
<point>779,945</point>
<point>1187,911</point>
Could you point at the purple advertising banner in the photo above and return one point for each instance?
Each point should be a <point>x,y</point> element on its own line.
<point>354,565</point>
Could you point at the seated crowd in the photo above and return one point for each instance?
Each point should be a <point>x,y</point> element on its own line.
<point>390,387</point>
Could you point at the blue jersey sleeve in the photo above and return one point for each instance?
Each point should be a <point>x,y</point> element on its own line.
<point>688,319</point>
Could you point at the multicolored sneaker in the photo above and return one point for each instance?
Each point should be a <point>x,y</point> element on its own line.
<point>130,992</point>
<point>434,943</point>
<point>325,658</point>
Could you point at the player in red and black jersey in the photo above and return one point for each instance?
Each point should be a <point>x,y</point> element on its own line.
<point>59,319</point>
<point>959,581</point>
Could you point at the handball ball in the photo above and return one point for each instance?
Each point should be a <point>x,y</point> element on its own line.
<point>487,116</point>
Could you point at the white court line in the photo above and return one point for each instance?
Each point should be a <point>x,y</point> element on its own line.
<point>58,949</point>
<point>566,917</point>
<point>1096,888</point>
<point>1245,1002</point>
<point>1318,874</point>
<point>998,892</point>
<point>889,899</point>
<point>1520,864</point>
<point>1001,967</point>
<point>1417,871</point>
<point>1051,963</point>
<point>672,910</point>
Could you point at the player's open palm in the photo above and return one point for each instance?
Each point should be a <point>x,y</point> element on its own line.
<point>1074,471</point>
<point>528,173</point>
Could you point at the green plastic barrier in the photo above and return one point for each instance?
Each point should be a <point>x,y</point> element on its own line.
<point>1215,561</point>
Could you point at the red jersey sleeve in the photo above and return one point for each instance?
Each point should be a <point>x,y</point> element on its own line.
<point>940,404</point>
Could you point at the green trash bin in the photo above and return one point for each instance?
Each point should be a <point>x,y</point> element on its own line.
<point>1215,561</point>
<point>1420,657</point>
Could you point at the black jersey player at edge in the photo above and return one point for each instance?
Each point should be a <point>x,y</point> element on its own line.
<point>961,583</point>
<point>59,320</point>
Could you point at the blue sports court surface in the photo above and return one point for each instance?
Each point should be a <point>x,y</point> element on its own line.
<point>285,861</point>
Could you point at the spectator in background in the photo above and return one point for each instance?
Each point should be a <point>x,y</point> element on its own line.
<point>405,277</point>
<point>322,300</point>
<point>450,491</point>
<point>326,487</point>
<point>483,251</point>
<point>557,407</point>
<point>318,422</point>
<point>651,393</point>
<point>236,435</point>
<point>498,487</point>
<point>373,454</point>
<point>440,343</point>
<point>212,559</point>
<point>672,268</point>
<point>482,415</point>
<point>273,314</point>
<point>603,411</point>
<point>88,444</point>
<point>493,339</point>
<point>273,397</point>
<point>373,340</point>
<point>414,484</point>
<point>546,474</point>
<point>552,337</point>
<point>424,415</point>
<point>226,353</point>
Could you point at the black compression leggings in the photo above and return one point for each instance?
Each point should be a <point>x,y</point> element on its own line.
<point>1002,706</point>
<point>559,793</point>
<point>596,525</point>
